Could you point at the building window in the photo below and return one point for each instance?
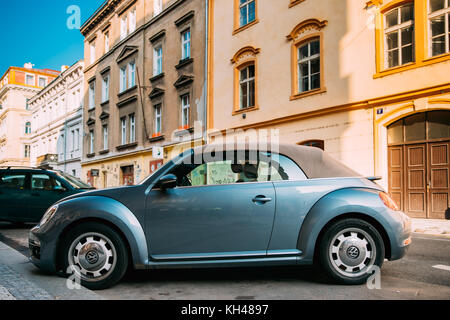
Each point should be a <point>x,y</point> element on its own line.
<point>123,122</point>
<point>132,17</point>
<point>73,140</point>
<point>106,42</point>
<point>157,7</point>
<point>131,74</point>
<point>157,60</point>
<point>29,80</point>
<point>27,151</point>
<point>42,82</point>
<point>78,138</point>
<point>399,36</point>
<point>132,128</point>
<point>247,87</point>
<point>123,27</point>
<point>105,88</point>
<point>309,66</point>
<point>105,137</point>
<point>158,124</point>
<point>92,95</point>
<point>185,111</point>
<point>28,128</point>
<point>439,26</point>
<point>91,142</point>
<point>186,44</point>
<point>245,79</point>
<point>92,52</point>
<point>247,12</point>
<point>123,79</point>
<point>314,143</point>
<point>27,105</point>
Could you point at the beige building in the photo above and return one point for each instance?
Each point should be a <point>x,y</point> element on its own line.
<point>144,86</point>
<point>368,82</point>
<point>17,87</point>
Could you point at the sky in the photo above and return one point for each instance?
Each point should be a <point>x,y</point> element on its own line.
<point>36,31</point>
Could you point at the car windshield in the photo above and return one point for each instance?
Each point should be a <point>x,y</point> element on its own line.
<point>73,181</point>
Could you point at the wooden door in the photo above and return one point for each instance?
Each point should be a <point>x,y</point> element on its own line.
<point>396,174</point>
<point>438,179</point>
<point>415,180</point>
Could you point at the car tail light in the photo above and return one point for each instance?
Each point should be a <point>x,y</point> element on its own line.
<point>388,201</point>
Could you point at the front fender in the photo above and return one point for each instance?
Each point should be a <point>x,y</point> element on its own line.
<point>338,203</point>
<point>95,207</point>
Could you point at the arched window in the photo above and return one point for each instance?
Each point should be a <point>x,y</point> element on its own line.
<point>314,143</point>
<point>28,128</point>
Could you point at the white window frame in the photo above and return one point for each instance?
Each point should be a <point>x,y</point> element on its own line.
<point>132,19</point>
<point>27,151</point>
<point>123,27</point>
<point>158,118</point>
<point>186,44</point>
<point>131,74</point>
<point>105,88</point>
<point>107,42</point>
<point>123,122</point>
<point>123,79</point>
<point>45,81</point>
<point>73,140</point>
<point>28,127</point>
<point>92,95</point>
<point>78,139</point>
<point>432,15</point>
<point>157,7</point>
<point>92,52</point>
<point>132,119</point>
<point>91,141</point>
<point>308,59</point>
<point>31,76</point>
<point>398,29</point>
<point>105,137</point>
<point>247,83</point>
<point>157,60</point>
<point>185,107</point>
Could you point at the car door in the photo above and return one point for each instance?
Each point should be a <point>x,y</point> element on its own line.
<point>45,190</point>
<point>210,215</point>
<point>13,196</point>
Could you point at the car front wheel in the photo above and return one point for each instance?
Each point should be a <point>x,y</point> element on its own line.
<point>95,254</point>
<point>350,250</point>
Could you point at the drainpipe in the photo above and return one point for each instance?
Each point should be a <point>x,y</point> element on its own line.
<point>205,114</point>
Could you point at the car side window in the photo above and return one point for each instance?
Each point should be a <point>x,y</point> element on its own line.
<point>279,168</point>
<point>12,181</point>
<point>44,182</point>
<point>213,173</point>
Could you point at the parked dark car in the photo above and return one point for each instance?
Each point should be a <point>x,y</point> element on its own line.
<point>26,193</point>
<point>241,206</point>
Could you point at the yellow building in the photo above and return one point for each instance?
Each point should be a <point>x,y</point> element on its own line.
<point>17,86</point>
<point>368,82</point>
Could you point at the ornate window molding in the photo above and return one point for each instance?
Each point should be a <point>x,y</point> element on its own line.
<point>306,31</point>
<point>245,57</point>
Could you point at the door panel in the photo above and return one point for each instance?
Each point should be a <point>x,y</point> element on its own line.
<point>396,168</point>
<point>210,221</point>
<point>438,183</point>
<point>416,192</point>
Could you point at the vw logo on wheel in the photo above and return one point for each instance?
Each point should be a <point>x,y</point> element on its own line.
<point>92,257</point>
<point>353,252</point>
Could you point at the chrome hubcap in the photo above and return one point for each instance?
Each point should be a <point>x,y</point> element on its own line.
<point>93,255</point>
<point>352,252</point>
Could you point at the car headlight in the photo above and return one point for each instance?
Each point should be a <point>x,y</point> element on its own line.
<point>48,215</point>
<point>388,201</point>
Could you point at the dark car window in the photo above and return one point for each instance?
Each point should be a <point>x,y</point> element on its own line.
<point>264,168</point>
<point>44,182</point>
<point>12,181</point>
<point>73,181</point>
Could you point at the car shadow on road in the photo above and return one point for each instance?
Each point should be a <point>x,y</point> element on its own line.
<point>304,273</point>
<point>16,226</point>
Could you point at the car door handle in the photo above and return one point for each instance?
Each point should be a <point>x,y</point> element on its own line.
<point>261,199</point>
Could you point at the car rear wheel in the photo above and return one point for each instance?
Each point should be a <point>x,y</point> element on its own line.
<point>349,250</point>
<point>95,254</point>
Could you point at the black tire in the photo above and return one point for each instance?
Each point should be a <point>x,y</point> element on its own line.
<point>115,246</point>
<point>338,265</point>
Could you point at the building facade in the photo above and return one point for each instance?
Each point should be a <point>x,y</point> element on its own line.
<point>17,87</point>
<point>144,86</point>
<point>367,82</point>
<point>57,131</point>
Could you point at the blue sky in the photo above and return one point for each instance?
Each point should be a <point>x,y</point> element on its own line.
<point>36,31</point>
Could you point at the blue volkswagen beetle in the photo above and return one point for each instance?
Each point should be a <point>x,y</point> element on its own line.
<point>222,206</point>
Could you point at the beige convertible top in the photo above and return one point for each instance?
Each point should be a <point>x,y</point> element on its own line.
<point>313,161</point>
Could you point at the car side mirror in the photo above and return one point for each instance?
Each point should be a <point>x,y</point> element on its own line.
<point>60,189</point>
<point>168,181</point>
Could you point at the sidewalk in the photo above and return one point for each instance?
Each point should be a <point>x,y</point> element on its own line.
<point>431,227</point>
<point>21,280</point>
